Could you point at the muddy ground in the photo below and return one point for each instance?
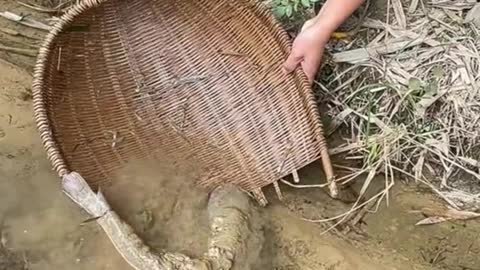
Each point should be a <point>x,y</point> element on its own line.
<point>41,229</point>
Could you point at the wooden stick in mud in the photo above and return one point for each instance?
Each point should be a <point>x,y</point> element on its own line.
<point>27,52</point>
<point>229,214</point>
<point>24,21</point>
<point>16,33</point>
<point>41,9</point>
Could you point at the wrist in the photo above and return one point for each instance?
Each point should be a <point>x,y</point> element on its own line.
<point>335,12</point>
<point>325,24</point>
<point>322,29</point>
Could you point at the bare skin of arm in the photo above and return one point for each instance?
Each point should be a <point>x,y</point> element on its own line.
<point>309,45</point>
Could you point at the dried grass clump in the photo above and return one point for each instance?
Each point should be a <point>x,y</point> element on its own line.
<point>411,98</point>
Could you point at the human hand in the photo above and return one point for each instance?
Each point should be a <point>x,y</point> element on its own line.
<point>307,50</point>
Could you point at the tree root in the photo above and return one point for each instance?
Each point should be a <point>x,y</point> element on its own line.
<point>229,212</point>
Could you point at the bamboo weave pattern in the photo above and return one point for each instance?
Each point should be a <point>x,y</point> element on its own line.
<point>192,80</point>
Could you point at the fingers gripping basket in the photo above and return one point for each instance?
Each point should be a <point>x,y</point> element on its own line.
<point>198,81</point>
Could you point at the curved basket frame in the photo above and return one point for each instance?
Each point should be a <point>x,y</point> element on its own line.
<point>44,125</point>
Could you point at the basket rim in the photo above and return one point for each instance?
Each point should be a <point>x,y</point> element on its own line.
<point>43,123</point>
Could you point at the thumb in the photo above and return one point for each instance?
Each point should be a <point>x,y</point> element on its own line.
<point>310,67</point>
<point>292,62</point>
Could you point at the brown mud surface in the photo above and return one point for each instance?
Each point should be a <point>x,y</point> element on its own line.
<point>41,229</point>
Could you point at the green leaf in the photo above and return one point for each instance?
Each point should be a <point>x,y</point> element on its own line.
<point>288,11</point>
<point>306,3</point>
<point>279,11</point>
<point>414,84</point>
<point>438,72</point>
<point>431,89</point>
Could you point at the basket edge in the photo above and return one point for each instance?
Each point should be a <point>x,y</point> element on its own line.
<point>41,118</point>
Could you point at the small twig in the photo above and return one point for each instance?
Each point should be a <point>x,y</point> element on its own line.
<point>437,255</point>
<point>303,186</point>
<point>15,33</point>
<point>41,9</point>
<point>64,4</point>
<point>348,178</point>
<point>359,216</point>
<point>24,21</point>
<point>26,52</point>
<point>446,25</point>
<point>59,58</point>
<point>116,139</point>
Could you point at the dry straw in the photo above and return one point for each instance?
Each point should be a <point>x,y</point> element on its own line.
<point>411,99</point>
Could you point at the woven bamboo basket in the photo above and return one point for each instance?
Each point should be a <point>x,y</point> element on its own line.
<point>191,80</point>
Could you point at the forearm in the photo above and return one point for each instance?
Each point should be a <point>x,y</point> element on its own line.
<point>334,13</point>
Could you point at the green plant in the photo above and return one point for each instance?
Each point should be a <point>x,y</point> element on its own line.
<point>290,8</point>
